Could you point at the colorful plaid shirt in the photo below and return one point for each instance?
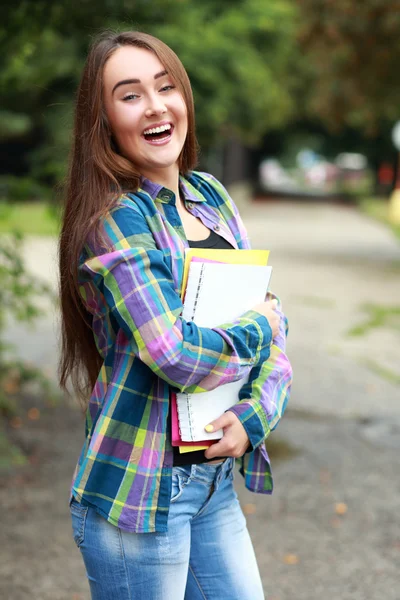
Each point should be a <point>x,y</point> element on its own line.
<point>131,285</point>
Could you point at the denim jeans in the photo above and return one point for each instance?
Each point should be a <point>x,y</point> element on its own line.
<point>206,554</point>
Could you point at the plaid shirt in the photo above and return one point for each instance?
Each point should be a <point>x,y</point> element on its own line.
<point>131,285</point>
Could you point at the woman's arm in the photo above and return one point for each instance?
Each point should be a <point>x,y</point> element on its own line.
<point>264,397</point>
<point>262,403</point>
<point>133,284</point>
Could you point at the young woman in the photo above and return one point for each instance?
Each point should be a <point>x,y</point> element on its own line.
<point>149,524</point>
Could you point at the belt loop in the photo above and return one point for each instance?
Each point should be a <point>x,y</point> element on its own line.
<point>230,464</point>
<point>220,473</point>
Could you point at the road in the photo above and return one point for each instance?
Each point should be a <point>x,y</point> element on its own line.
<point>331,528</point>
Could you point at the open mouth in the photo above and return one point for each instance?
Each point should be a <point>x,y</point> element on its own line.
<point>158,135</point>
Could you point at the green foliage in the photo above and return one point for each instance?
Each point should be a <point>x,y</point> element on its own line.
<point>378,208</point>
<point>238,54</point>
<point>255,67</point>
<point>18,290</point>
<point>381,370</point>
<point>21,189</point>
<point>35,218</point>
<point>350,60</point>
<point>377,316</point>
<point>10,455</point>
<point>239,66</point>
<point>14,125</point>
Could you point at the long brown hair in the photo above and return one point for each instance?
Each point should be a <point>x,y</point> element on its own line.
<point>97,176</point>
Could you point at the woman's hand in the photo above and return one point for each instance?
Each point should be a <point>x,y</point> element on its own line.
<point>268,309</point>
<point>235,440</point>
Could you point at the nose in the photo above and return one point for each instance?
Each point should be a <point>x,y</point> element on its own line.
<point>155,105</point>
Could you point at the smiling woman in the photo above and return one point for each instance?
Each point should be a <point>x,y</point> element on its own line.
<point>147,113</point>
<point>150,523</point>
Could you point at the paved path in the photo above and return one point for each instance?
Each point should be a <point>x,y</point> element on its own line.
<point>331,528</point>
<point>329,262</point>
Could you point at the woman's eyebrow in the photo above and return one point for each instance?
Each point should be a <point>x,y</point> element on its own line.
<point>126,81</point>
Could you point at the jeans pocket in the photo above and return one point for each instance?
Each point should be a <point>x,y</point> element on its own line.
<point>78,517</point>
<point>179,481</point>
<point>177,487</point>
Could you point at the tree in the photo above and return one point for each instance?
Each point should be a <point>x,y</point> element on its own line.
<point>238,55</point>
<point>351,57</point>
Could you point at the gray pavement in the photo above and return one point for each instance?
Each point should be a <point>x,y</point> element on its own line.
<point>331,528</point>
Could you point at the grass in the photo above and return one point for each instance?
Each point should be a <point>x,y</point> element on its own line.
<point>378,208</point>
<point>35,218</point>
<point>279,449</point>
<point>10,455</point>
<point>377,316</point>
<point>382,371</point>
<point>316,301</point>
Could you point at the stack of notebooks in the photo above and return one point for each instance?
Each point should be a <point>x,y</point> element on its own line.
<point>218,286</point>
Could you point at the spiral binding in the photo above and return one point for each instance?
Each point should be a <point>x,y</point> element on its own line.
<point>186,420</point>
<point>185,414</point>
<point>196,299</point>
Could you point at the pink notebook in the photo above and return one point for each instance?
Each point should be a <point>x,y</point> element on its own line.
<point>176,439</point>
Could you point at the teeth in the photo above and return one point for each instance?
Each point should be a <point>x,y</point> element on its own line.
<point>166,127</point>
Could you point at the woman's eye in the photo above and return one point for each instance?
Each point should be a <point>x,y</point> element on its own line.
<point>130,97</point>
<point>166,88</point>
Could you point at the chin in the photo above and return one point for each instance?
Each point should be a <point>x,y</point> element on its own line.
<point>161,164</point>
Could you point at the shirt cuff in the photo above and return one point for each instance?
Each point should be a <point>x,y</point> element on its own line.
<point>253,419</point>
<point>261,329</point>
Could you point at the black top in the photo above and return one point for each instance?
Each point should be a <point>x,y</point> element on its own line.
<point>194,458</point>
<point>214,241</point>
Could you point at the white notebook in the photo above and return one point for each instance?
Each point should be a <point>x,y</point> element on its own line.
<point>216,294</point>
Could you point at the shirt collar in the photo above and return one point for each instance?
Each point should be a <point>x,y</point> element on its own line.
<point>162,194</point>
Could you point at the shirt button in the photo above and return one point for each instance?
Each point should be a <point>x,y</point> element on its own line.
<point>165,195</point>
<point>190,204</point>
<point>216,227</point>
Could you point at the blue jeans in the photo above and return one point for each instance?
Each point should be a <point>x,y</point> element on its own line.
<point>206,554</point>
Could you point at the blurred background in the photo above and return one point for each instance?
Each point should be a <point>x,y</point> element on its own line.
<point>297,103</point>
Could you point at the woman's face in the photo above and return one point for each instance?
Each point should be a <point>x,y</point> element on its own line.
<point>146,112</point>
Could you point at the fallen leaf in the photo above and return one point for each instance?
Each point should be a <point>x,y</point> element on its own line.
<point>16,422</point>
<point>335,522</point>
<point>33,414</point>
<point>33,459</point>
<point>325,476</point>
<point>11,386</point>
<point>290,559</point>
<point>340,508</point>
<point>249,509</point>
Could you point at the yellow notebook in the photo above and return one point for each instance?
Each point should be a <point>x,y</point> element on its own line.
<point>249,257</point>
<point>232,257</point>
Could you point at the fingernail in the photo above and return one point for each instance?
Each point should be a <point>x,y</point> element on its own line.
<point>209,428</point>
